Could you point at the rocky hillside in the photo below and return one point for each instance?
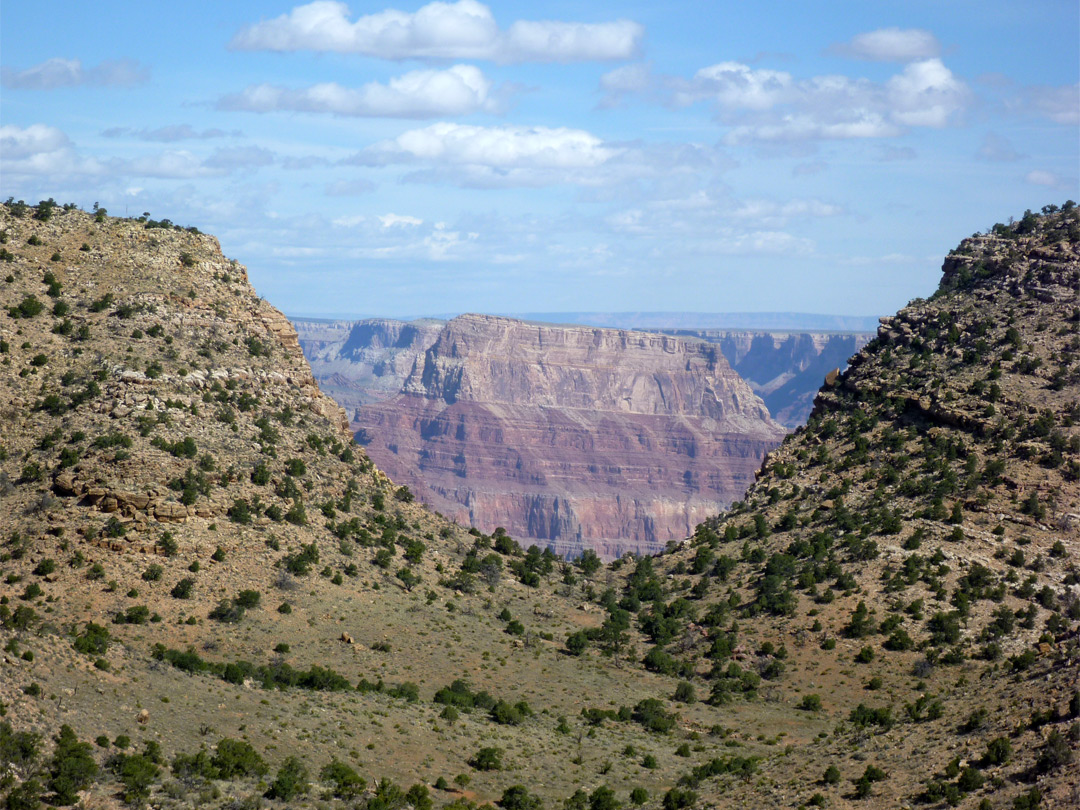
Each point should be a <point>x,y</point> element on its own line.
<point>912,552</point>
<point>571,437</point>
<point>785,369</point>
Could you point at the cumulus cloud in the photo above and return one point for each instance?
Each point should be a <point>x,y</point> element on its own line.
<point>516,156</point>
<point>462,30</point>
<point>773,105</point>
<point>503,147</point>
<point>168,134</point>
<point>45,151</point>
<point>926,94</point>
<point>891,45</point>
<point>737,86</point>
<point>997,149</point>
<point>56,73</point>
<point>459,90</point>
<point>42,150</point>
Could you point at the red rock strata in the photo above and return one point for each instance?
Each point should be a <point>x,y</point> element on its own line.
<point>570,436</point>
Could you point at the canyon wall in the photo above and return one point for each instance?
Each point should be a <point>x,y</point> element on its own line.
<point>784,368</point>
<point>360,362</point>
<point>571,437</point>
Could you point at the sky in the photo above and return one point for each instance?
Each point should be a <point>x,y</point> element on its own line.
<point>413,159</point>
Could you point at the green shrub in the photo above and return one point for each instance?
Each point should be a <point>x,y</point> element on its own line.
<point>72,767</point>
<point>29,307</point>
<point>240,512</point>
<point>227,612</point>
<point>517,797</point>
<point>291,781</point>
<point>487,759</point>
<point>652,716</point>
<point>237,758</point>
<point>183,589</point>
<point>347,783</point>
<point>45,567</point>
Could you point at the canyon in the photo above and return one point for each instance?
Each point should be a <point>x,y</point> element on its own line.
<point>561,434</point>
<point>570,437</point>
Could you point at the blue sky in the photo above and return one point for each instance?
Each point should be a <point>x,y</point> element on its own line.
<point>553,156</point>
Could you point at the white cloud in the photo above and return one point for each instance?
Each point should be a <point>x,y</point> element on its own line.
<point>462,30</point>
<point>806,127</point>
<point>42,150</point>
<point>459,90</point>
<point>442,244</point>
<point>56,73</point>
<point>771,210</point>
<point>516,157</point>
<point>503,147</point>
<point>926,94</point>
<point>892,45</point>
<point>399,221</point>
<point>1038,177</point>
<point>19,143</point>
<point>772,105</point>
<point>997,149</point>
<point>737,86</point>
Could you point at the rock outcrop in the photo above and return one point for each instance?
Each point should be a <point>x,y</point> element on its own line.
<point>571,437</point>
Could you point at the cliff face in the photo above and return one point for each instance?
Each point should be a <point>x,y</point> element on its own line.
<point>784,368</point>
<point>571,437</point>
<point>359,362</point>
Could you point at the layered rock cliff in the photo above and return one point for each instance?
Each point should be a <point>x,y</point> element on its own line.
<point>784,368</point>
<point>571,437</point>
<point>359,362</point>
